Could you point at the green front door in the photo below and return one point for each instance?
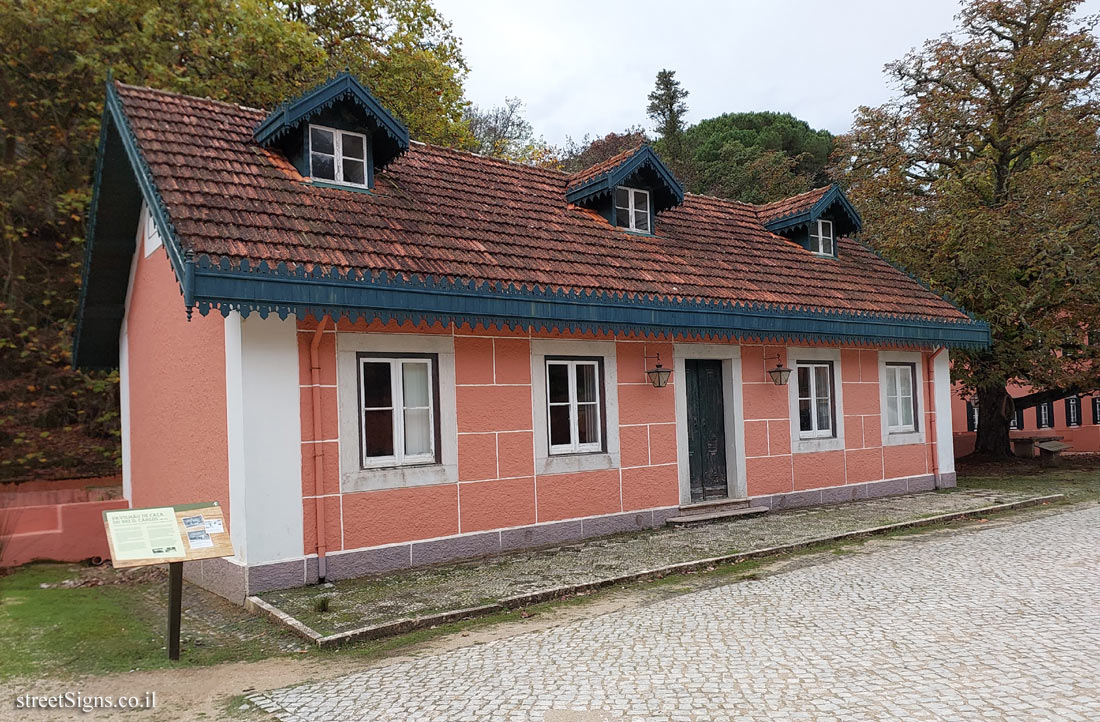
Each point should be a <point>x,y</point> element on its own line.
<point>706,427</point>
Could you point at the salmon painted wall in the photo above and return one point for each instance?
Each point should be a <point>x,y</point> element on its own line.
<point>1083,438</point>
<point>497,485</point>
<point>176,384</point>
<point>772,468</point>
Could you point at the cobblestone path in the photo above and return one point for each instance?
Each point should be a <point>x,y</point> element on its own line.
<point>994,624</point>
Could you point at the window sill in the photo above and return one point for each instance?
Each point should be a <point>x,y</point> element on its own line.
<point>808,446</point>
<point>398,477</point>
<point>340,186</point>
<point>572,463</point>
<point>901,438</point>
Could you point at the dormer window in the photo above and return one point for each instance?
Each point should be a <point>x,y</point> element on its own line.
<point>821,238</point>
<point>337,155</point>
<point>632,209</point>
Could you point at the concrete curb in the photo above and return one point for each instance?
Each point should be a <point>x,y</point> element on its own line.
<point>408,624</point>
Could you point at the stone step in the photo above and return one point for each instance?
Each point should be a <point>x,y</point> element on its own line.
<point>706,507</point>
<point>718,515</point>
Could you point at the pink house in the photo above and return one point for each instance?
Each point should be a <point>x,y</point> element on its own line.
<point>1075,418</point>
<point>377,353</point>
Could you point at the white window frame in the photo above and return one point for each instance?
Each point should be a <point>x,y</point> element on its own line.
<point>630,199</point>
<point>817,240</point>
<point>800,444</point>
<point>1096,409</point>
<point>397,408</point>
<point>1076,406</point>
<point>575,447</point>
<point>545,462</point>
<point>815,432</point>
<point>897,369</point>
<point>338,160</point>
<point>917,435</point>
<point>355,478</point>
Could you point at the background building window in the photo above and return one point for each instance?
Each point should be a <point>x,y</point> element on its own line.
<point>1073,411</point>
<point>574,400</point>
<point>398,424</point>
<point>1044,414</point>
<point>815,399</point>
<point>901,403</point>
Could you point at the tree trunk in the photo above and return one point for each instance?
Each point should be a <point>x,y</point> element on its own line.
<point>994,412</point>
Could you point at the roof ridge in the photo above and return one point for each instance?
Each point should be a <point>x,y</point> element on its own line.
<point>177,94</point>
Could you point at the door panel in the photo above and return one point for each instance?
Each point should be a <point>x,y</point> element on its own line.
<point>706,427</point>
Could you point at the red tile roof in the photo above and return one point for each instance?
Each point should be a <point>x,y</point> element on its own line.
<point>790,206</point>
<point>581,177</point>
<point>442,212</point>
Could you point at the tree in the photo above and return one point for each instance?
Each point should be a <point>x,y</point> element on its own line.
<point>747,174</point>
<point>982,178</point>
<point>56,57</point>
<point>404,51</point>
<point>503,132</point>
<point>767,139</point>
<point>667,110</point>
<point>576,156</point>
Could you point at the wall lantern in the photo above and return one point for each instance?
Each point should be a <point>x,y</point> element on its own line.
<point>658,376</point>
<point>780,374</point>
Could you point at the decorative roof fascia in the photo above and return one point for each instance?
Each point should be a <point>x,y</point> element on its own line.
<point>283,291</point>
<point>831,196</point>
<point>291,114</point>
<point>607,181</point>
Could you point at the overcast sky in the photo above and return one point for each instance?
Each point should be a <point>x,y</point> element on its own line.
<point>587,66</point>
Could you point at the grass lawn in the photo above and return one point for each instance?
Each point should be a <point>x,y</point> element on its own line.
<point>50,627</point>
<point>66,620</point>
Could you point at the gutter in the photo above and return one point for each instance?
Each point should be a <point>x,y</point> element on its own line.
<point>318,448</point>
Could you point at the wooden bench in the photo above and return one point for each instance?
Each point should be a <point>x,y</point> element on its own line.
<point>1024,446</point>
<point>1050,452</point>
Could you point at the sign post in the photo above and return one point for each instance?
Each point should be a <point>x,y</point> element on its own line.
<point>172,534</point>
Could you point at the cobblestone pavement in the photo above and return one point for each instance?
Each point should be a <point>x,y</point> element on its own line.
<point>372,600</point>
<point>1001,623</point>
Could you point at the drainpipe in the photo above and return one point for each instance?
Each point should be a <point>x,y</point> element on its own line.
<point>318,448</point>
<point>930,401</point>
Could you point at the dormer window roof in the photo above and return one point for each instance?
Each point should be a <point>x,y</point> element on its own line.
<point>814,219</point>
<point>335,133</point>
<point>629,189</point>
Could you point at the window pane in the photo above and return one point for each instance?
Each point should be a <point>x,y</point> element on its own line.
<point>905,381</point>
<point>558,375</point>
<point>641,221</point>
<point>622,217</point>
<point>376,385</point>
<point>891,410</point>
<point>321,141</point>
<point>891,381</point>
<point>827,245</point>
<point>378,433</point>
<point>803,382</point>
<point>588,423</point>
<point>622,197</point>
<point>418,431</point>
<point>354,172</point>
<point>559,425</point>
<point>824,415</point>
<point>352,146</point>
<point>805,418</point>
<point>587,389</point>
<point>323,166</point>
<point>821,382</point>
<point>641,201</point>
<point>906,412</point>
<point>414,381</point>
